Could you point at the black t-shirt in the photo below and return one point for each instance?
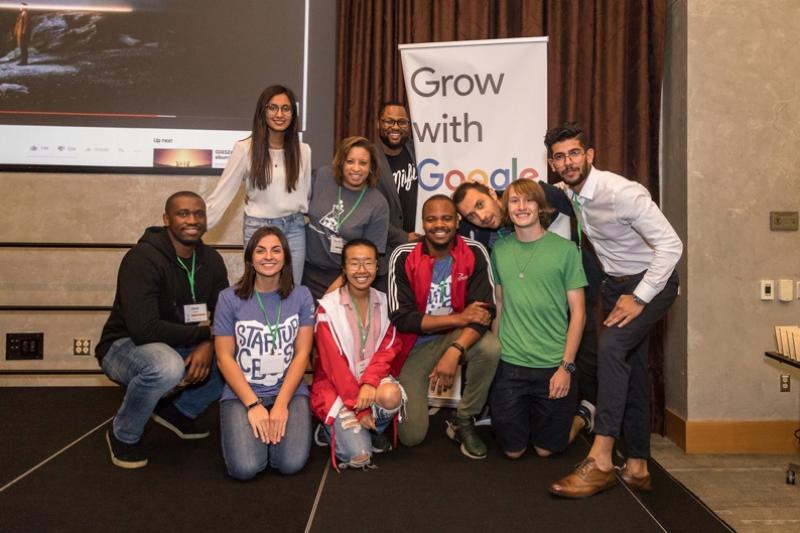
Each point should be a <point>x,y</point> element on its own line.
<point>404,174</point>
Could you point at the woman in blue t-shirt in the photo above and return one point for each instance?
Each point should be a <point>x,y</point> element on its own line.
<point>264,331</point>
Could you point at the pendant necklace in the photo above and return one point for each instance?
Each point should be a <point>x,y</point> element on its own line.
<point>521,270</point>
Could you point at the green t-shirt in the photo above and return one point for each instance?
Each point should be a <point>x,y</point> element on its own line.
<point>533,321</point>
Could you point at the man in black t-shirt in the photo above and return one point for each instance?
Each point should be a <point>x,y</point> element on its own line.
<point>398,169</point>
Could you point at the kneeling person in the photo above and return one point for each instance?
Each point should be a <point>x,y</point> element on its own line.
<point>538,278</point>
<point>157,336</point>
<point>264,332</point>
<point>441,298</point>
<point>353,393</point>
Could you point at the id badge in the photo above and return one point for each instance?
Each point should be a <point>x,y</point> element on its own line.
<point>441,311</point>
<point>337,243</point>
<point>361,365</point>
<point>273,363</point>
<point>193,313</point>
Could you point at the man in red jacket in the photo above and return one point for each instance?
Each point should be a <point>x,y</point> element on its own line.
<point>441,299</point>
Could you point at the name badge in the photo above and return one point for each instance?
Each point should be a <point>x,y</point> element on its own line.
<point>272,363</point>
<point>361,365</point>
<point>337,243</point>
<point>195,313</point>
<point>441,311</point>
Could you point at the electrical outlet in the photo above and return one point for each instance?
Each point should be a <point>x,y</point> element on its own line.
<point>785,382</point>
<point>81,346</point>
<point>767,289</point>
<point>24,346</point>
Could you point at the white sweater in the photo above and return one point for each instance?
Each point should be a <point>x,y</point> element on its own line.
<point>272,202</point>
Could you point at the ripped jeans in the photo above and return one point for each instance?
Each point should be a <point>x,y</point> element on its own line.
<point>354,440</point>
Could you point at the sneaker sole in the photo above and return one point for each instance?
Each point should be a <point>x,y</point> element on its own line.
<point>130,465</point>
<point>452,435</point>
<point>178,432</point>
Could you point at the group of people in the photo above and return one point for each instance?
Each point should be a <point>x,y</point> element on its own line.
<point>502,286</point>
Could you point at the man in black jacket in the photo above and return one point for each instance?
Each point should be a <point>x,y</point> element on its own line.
<point>158,336</point>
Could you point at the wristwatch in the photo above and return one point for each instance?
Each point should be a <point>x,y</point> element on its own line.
<point>257,402</point>
<point>639,300</point>
<point>569,367</point>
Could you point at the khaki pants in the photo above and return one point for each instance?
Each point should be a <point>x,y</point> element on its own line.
<point>481,360</point>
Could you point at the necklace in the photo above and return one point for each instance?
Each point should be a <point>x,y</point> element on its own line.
<point>521,270</point>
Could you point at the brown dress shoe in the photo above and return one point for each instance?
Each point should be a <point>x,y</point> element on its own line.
<point>644,484</point>
<point>585,481</point>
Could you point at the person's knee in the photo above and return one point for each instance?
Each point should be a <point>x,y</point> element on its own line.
<point>515,455</point>
<point>488,347</point>
<point>541,452</point>
<point>243,470</point>
<point>292,465</point>
<point>167,367</point>
<point>388,396</point>
<point>410,436</point>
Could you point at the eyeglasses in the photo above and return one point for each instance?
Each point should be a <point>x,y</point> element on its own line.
<point>573,155</point>
<point>368,264</point>
<point>273,109</point>
<point>389,122</point>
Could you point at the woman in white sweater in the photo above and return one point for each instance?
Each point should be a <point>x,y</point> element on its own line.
<point>276,169</point>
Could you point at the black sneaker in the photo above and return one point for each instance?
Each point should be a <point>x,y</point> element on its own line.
<point>168,416</point>
<point>380,442</point>
<point>124,455</point>
<point>462,429</point>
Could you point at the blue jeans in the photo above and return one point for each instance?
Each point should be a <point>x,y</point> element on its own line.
<point>352,439</point>
<point>293,227</point>
<point>149,372</point>
<point>245,455</point>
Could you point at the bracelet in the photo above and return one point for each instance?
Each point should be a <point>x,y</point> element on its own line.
<point>257,402</point>
<point>458,347</point>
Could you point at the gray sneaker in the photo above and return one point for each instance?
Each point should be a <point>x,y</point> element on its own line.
<point>462,429</point>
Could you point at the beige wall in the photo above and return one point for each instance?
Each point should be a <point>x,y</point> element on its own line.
<point>743,161</point>
<point>673,199</point>
<point>81,208</point>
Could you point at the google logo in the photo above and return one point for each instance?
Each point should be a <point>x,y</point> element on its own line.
<point>432,179</point>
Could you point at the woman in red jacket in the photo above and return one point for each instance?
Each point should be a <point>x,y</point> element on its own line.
<point>353,393</point>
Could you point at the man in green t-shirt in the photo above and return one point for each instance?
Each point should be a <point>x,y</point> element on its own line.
<point>539,284</point>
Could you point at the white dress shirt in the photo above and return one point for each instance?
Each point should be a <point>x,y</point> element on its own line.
<point>629,232</point>
<point>271,202</point>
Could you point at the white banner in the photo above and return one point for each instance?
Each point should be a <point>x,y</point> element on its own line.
<point>478,110</point>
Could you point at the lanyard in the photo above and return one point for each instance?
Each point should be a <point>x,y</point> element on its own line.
<point>363,332</point>
<point>579,215</point>
<point>340,221</point>
<point>273,328</point>
<point>189,275</point>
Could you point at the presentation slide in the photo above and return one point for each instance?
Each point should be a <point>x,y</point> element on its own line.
<point>140,84</point>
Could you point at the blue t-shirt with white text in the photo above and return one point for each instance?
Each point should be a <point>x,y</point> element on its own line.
<point>262,355</point>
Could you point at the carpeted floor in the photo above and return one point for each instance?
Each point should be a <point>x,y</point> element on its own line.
<point>184,488</point>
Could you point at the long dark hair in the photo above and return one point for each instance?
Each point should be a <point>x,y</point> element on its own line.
<point>260,161</point>
<point>247,283</point>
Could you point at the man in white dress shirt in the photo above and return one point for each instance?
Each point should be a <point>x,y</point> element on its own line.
<point>638,249</point>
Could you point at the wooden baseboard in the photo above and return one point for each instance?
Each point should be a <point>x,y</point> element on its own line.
<point>734,436</point>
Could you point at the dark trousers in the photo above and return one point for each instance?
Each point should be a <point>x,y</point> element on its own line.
<point>623,396</point>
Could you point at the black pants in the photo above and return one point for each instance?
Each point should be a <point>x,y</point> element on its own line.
<point>623,396</point>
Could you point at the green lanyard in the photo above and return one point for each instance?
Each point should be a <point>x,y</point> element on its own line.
<point>362,331</point>
<point>579,215</point>
<point>273,328</point>
<point>189,275</point>
<point>340,221</point>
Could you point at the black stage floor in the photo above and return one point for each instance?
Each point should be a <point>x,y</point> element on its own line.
<point>55,475</point>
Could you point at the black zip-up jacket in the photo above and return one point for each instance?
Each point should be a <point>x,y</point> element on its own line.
<point>152,289</point>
